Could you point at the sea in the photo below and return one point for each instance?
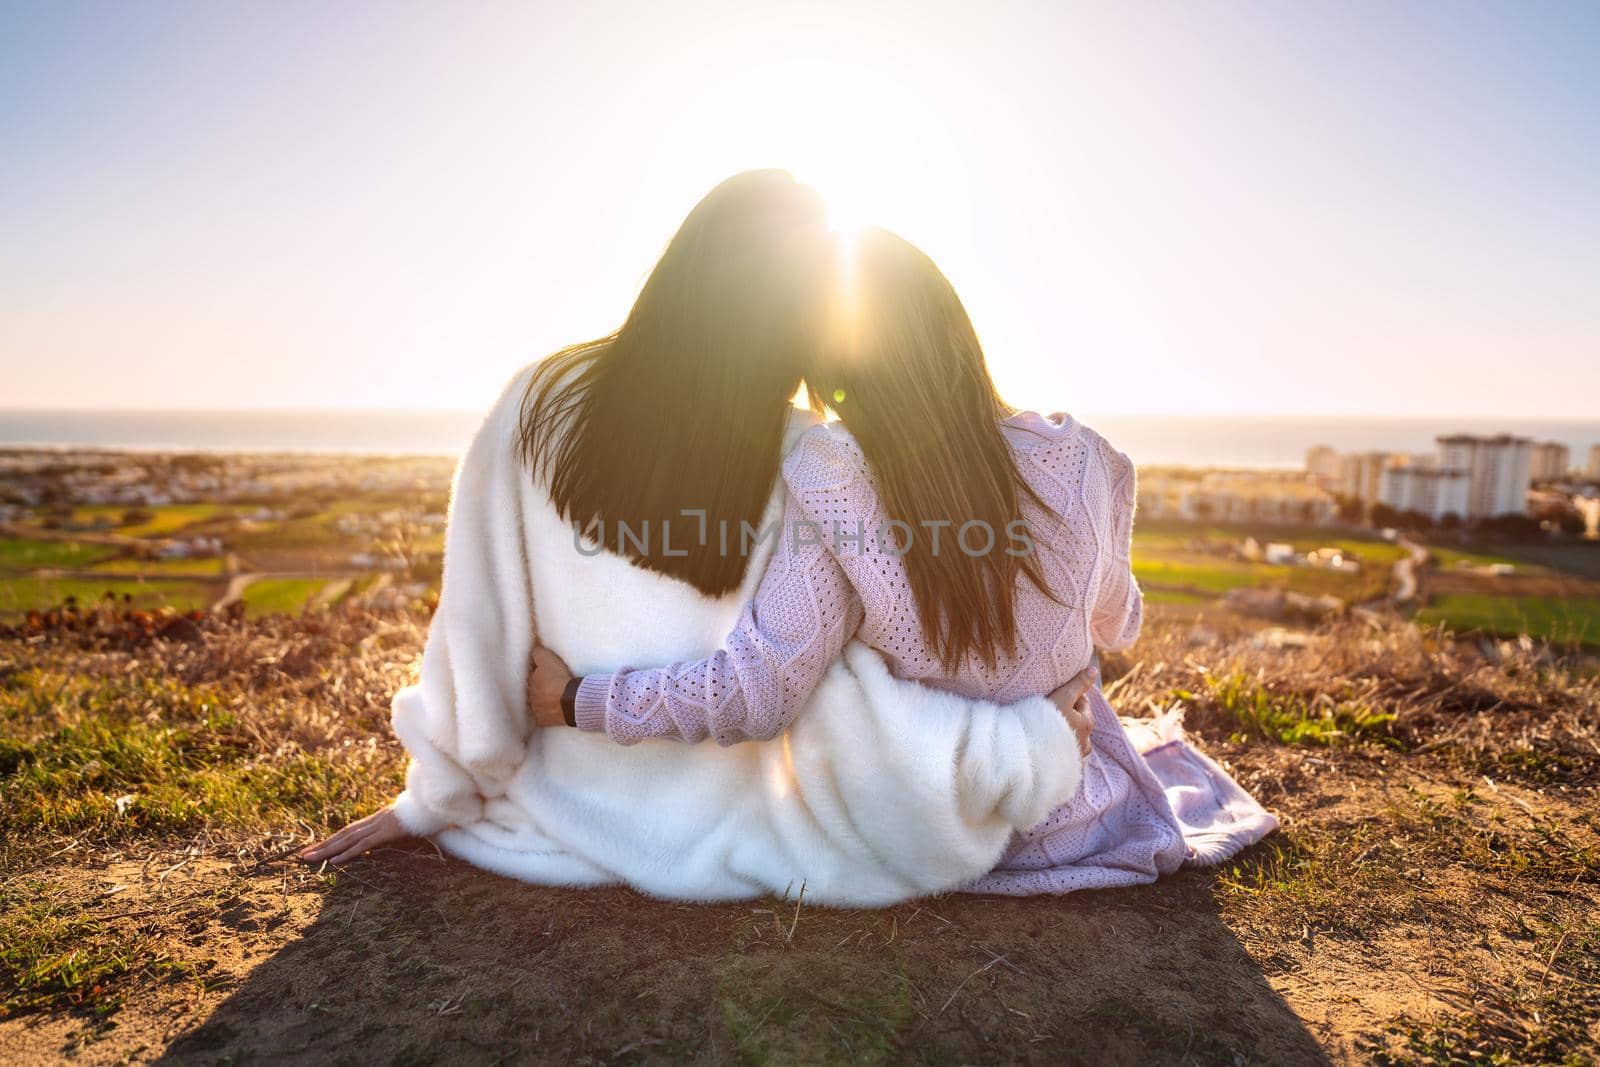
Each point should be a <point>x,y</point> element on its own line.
<point>1243,441</point>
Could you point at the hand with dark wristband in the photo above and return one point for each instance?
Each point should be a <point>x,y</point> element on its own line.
<point>552,690</point>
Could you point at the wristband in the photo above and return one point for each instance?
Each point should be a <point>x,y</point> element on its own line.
<point>569,701</point>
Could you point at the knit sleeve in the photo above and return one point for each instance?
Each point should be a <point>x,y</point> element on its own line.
<point>751,689</point>
<point>1119,608</point>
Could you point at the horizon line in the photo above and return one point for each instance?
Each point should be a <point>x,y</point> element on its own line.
<point>333,409</point>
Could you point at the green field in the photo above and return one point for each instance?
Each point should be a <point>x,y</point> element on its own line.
<point>1370,553</point>
<point>18,595</point>
<point>20,555</point>
<point>1166,539</point>
<point>316,532</point>
<point>280,596</point>
<point>1202,574</point>
<point>1451,558</point>
<point>177,568</point>
<point>1173,558</point>
<point>1558,619</point>
<point>165,520</point>
<point>1579,558</point>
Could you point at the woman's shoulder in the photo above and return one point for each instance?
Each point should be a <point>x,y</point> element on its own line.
<point>823,456</point>
<point>1032,429</point>
<point>1066,447</point>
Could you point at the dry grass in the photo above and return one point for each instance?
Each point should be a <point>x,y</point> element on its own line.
<point>1432,897</point>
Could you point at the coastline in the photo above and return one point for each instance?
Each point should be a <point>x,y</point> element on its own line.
<point>1248,442</point>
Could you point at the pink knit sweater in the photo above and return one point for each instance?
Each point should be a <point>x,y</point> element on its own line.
<point>830,578</point>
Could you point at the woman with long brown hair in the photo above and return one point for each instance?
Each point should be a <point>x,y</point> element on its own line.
<point>685,406</point>
<point>978,548</point>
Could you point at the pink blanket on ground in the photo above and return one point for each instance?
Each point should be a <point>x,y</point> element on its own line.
<point>1150,803</point>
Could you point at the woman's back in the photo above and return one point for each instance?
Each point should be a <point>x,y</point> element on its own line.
<point>1081,536</point>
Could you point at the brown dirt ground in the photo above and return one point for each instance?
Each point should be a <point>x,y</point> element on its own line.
<point>1414,909</point>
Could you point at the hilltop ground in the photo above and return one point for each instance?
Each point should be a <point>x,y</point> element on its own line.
<point>1434,895</point>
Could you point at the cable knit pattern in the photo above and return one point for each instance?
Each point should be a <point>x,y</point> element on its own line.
<point>830,575</point>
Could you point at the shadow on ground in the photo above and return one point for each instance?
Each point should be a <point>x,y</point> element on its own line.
<point>414,959</point>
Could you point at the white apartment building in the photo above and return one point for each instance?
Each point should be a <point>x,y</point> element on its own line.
<point>1550,461</point>
<point>1361,475</point>
<point>1433,491</point>
<point>1322,463</point>
<point>1498,469</point>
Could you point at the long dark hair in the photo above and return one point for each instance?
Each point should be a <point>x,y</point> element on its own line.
<point>906,375</point>
<point>683,407</point>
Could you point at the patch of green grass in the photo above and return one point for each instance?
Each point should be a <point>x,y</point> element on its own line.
<point>177,568</point>
<point>314,532</point>
<point>1338,879</point>
<point>1291,718</point>
<point>19,554</point>
<point>1202,574</point>
<point>1451,558</point>
<point>1165,561</point>
<point>164,520</point>
<point>19,595</point>
<point>1372,553</point>
<point>55,956</point>
<point>280,596</point>
<point>1580,558</point>
<point>1558,619</point>
<point>145,755</point>
<point>1365,584</point>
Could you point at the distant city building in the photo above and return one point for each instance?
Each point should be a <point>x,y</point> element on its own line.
<point>1470,477</point>
<point>1431,491</point>
<point>1235,496</point>
<point>1550,461</point>
<point>1594,461</point>
<point>1361,475</point>
<point>1499,471</point>
<point>1322,463</point>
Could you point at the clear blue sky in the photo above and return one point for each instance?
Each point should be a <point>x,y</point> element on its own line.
<point>1335,208</point>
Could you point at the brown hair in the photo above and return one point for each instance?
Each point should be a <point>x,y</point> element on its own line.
<point>906,375</point>
<point>683,407</point>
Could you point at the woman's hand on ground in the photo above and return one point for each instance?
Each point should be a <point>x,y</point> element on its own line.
<point>1073,701</point>
<point>361,836</point>
<point>547,680</point>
